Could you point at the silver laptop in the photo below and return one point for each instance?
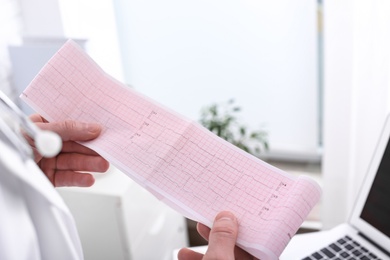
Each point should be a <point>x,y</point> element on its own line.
<point>366,235</point>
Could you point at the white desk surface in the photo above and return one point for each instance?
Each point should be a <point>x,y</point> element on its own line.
<point>297,247</point>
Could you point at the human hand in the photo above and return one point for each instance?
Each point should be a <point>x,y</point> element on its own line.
<point>64,169</point>
<point>222,241</point>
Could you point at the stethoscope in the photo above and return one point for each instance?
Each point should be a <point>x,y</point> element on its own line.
<point>12,120</point>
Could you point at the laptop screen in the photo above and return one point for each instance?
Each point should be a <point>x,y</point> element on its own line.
<point>376,210</point>
<point>371,213</point>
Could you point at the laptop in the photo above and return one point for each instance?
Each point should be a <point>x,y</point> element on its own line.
<point>366,235</point>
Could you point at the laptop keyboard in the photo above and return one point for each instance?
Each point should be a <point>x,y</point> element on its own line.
<point>344,248</point>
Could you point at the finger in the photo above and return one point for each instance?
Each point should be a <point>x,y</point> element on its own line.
<point>70,147</point>
<point>70,130</point>
<point>71,178</point>
<point>222,237</point>
<point>203,230</point>
<point>80,162</point>
<point>187,254</point>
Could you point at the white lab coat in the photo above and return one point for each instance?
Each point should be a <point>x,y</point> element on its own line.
<point>35,223</point>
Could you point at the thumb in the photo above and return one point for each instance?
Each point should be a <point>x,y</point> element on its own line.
<point>223,237</point>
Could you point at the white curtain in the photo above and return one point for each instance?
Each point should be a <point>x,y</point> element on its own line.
<point>356,97</point>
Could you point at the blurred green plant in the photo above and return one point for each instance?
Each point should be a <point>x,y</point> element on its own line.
<point>222,120</point>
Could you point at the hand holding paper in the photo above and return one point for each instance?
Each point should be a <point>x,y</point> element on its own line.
<point>179,161</point>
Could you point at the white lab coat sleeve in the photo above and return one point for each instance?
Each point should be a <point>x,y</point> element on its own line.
<point>35,223</point>
<point>18,239</point>
<point>56,229</point>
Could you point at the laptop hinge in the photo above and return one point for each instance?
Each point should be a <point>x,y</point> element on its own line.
<point>374,244</point>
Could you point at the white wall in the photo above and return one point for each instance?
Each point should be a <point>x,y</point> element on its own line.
<point>94,21</point>
<point>356,98</point>
<point>189,54</point>
<point>41,18</point>
<point>59,20</point>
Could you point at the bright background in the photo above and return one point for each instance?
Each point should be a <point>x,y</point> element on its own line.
<point>262,53</point>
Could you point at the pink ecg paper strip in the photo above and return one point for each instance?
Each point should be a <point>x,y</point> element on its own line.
<point>179,161</point>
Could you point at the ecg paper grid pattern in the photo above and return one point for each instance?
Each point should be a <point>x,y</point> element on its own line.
<point>177,158</point>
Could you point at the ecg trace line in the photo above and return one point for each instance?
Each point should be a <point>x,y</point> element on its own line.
<point>198,172</point>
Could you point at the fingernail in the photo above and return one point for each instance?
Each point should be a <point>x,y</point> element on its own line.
<point>86,181</point>
<point>225,216</point>
<point>93,128</point>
